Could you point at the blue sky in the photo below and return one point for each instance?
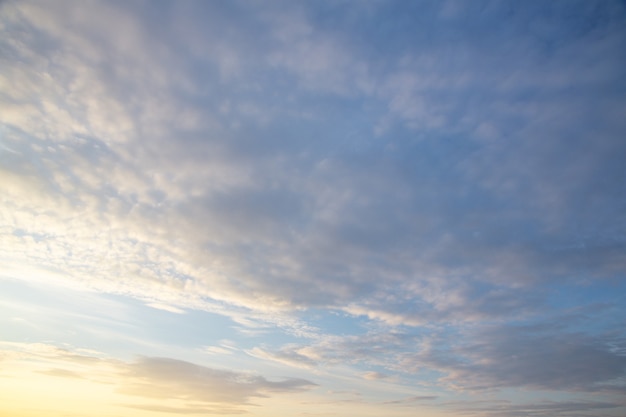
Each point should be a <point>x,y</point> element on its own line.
<point>342,208</point>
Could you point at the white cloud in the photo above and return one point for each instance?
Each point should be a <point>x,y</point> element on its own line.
<point>374,375</point>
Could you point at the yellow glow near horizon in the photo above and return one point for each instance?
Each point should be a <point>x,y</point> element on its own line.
<point>41,379</point>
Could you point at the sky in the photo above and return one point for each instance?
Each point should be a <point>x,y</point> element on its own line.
<point>313,208</point>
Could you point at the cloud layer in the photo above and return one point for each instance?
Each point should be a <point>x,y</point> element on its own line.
<point>423,192</point>
<point>166,380</point>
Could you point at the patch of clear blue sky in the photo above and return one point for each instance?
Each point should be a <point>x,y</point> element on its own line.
<point>335,323</point>
<point>598,306</point>
<point>112,323</point>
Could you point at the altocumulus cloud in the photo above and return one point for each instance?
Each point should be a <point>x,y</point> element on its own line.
<point>446,180</point>
<point>183,180</point>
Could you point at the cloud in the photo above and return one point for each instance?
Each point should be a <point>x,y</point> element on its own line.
<point>375,348</point>
<point>182,182</point>
<point>539,357</point>
<point>165,307</point>
<point>291,356</point>
<point>162,381</point>
<point>225,348</point>
<point>550,355</point>
<point>171,378</point>
<point>541,409</point>
<point>186,410</point>
<point>62,373</point>
<point>413,399</point>
<point>374,376</point>
<point>442,173</point>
